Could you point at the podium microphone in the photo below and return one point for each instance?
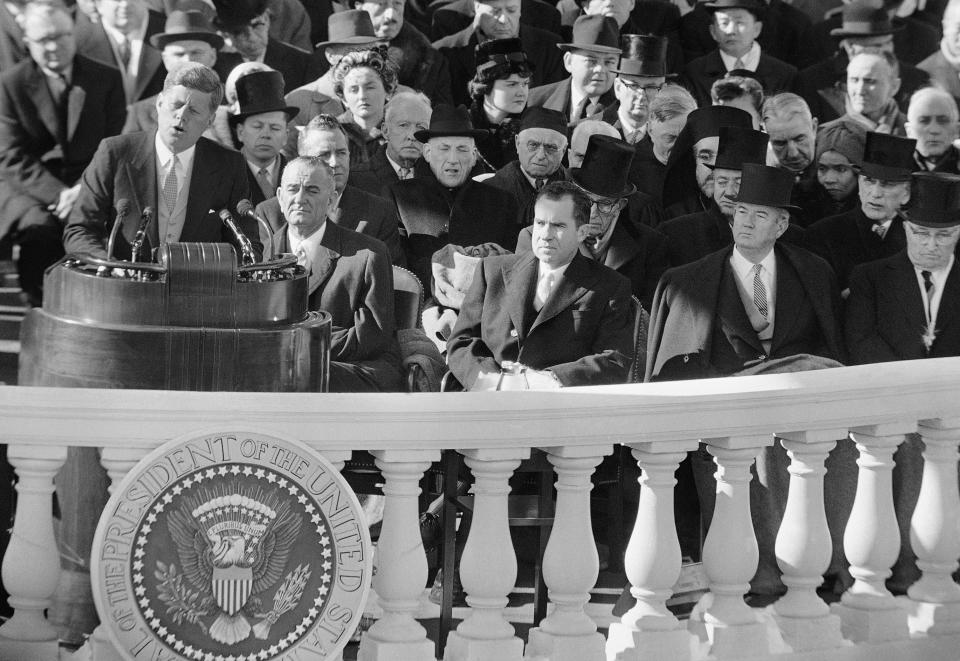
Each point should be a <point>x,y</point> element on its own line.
<point>245,246</point>
<point>123,208</point>
<point>141,234</point>
<point>245,209</point>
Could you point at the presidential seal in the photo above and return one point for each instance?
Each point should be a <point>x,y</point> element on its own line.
<point>231,547</point>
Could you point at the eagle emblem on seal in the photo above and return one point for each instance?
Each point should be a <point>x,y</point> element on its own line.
<point>232,546</point>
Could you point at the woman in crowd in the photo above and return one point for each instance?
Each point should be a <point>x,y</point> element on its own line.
<point>364,81</point>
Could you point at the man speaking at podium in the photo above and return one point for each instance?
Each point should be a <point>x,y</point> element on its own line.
<point>185,179</point>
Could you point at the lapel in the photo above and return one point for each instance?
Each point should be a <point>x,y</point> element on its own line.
<point>622,247</point>
<point>789,294</point>
<point>352,209</point>
<point>730,310</point>
<point>903,281</point>
<point>43,102</point>
<point>519,282</point>
<point>150,60</point>
<point>574,284</point>
<point>324,258</point>
<point>75,101</point>
<point>560,98</point>
<point>713,66</point>
<point>948,311</point>
<point>203,178</point>
<point>142,175</point>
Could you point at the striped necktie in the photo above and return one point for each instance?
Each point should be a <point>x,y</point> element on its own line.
<point>759,291</point>
<point>170,186</point>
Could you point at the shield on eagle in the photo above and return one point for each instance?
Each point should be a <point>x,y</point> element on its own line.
<point>232,587</point>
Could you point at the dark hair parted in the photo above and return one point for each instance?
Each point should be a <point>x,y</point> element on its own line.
<point>196,76</point>
<point>560,190</point>
<point>373,59</point>
<point>730,87</point>
<point>484,78</point>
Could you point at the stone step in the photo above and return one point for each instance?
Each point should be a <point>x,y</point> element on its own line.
<point>10,327</point>
<point>10,298</point>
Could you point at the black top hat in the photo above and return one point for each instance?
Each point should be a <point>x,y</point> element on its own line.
<point>642,55</point>
<point>449,121</point>
<point>351,27</point>
<point>739,145</point>
<point>595,33</point>
<point>186,25</point>
<point>260,92</point>
<point>766,186</point>
<point>500,52</point>
<point>606,167</point>
<point>864,19</point>
<point>888,157</point>
<point>706,122</point>
<point>934,200</point>
<point>543,118</point>
<point>755,7</point>
<point>232,14</point>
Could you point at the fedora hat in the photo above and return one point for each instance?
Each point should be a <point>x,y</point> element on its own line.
<point>934,200</point>
<point>352,27</point>
<point>755,7</point>
<point>642,55</point>
<point>232,14</point>
<point>864,19</point>
<point>594,33</point>
<point>766,186</point>
<point>888,157</point>
<point>447,120</point>
<point>186,26</point>
<point>739,145</point>
<point>606,167</point>
<point>260,92</point>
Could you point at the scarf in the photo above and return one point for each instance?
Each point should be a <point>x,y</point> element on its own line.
<point>888,117</point>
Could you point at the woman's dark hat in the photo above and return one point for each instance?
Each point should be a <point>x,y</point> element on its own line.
<point>606,167</point>
<point>934,200</point>
<point>766,186</point>
<point>349,28</point>
<point>234,14</point>
<point>642,55</point>
<point>595,33</point>
<point>739,145</point>
<point>186,26</point>
<point>260,92</point>
<point>864,19</point>
<point>449,121</point>
<point>544,118</point>
<point>499,52</point>
<point>755,7</point>
<point>888,157</point>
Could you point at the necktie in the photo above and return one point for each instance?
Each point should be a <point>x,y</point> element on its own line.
<point>759,291</point>
<point>405,173</point>
<point>538,183</point>
<point>880,229</point>
<point>263,178</point>
<point>581,110</point>
<point>170,186</point>
<point>544,287</point>
<point>593,108</point>
<point>929,287</point>
<point>58,89</point>
<point>123,50</point>
<point>635,137</point>
<point>738,64</point>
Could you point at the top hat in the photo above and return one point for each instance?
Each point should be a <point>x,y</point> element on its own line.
<point>642,55</point>
<point>449,121</point>
<point>499,52</point>
<point>232,14</point>
<point>864,19</point>
<point>755,7</point>
<point>706,122</point>
<point>934,200</point>
<point>595,33</point>
<point>260,92</point>
<point>186,25</point>
<point>888,157</point>
<point>350,27</point>
<point>605,168</point>
<point>739,145</point>
<point>544,118</point>
<point>766,186</point>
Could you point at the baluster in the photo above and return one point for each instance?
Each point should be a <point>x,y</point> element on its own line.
<point>488,567</point>
<point>872,540</point>
<point>803,545</point>
<point>31,565</point>
<point>935,532</point>
<point>570,562</point>
<point>733,628</point>
<point>649,631</point>
<point>401,562</point>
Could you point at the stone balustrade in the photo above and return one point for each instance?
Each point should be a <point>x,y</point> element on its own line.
<point>808,414</point>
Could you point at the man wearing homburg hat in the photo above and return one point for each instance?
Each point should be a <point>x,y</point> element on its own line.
<point>640,75</point>
<point>566,317</point>
<point>590,59</point>
<point>736,26</point>
<point>631,249</point>
<point>446,206</point>
<point>875,228</point>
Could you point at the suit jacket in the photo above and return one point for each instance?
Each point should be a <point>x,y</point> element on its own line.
<point>298,67</point>
<point>539,45</point>
<point>41,151</point>
<point>12,48</point>
<point>125,167</point>
<point>942,73</point>
<point>646,172</point>
<point>359,212</point>
<point>637,253</point>
<point>459,14</point>
<point>376,175</point>
<point>847,240</point>
<point>422,67</point>
<point>583,333</point>
<point>949,161</point>
<point>432,216</point>
<point>256,193</point>
<point>700,74</point>
<point>698,327</point>
<point>885,319</point>
<point>556,96</point>
<point>93,42</point>
<point>510,178</point>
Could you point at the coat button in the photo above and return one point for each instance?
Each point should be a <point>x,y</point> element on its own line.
<point>513,332</point>
<point>686,358</point>
<point>762,357</point>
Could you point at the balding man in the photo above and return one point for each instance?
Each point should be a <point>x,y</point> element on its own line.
<point>55,108</point>
<point>873,80</point>
<point>399,156</point>
<point>793,137</point>
<point>932,120</point>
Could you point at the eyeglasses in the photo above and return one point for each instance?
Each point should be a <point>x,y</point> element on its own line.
<point>648,89</point>
<point>548,148</point>
<point>940,237</point>
<point>606,206</point>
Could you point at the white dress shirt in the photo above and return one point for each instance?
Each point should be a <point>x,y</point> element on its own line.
<point>751,60</point>
<point>170,224</point>
<point>543,273</point>
<point>931,304</point>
